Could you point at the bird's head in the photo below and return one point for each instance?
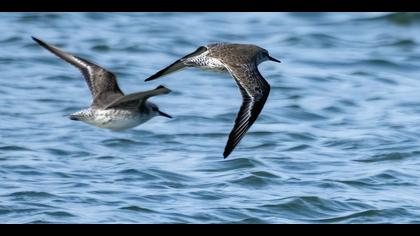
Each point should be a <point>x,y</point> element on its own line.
<point>263,55</point>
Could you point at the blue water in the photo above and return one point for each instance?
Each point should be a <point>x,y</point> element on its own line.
<point>337,142</point>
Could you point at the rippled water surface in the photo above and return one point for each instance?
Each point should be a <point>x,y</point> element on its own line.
<point>337,142</point>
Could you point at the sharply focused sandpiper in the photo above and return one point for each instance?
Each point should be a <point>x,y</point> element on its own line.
<point>110,108</point>
<point>241,61</point>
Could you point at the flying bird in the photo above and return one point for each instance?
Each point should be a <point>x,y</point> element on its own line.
<point>110,108</point>
<point>241,61</point>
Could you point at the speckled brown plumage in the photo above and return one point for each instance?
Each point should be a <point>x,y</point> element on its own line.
<point>241,61</point>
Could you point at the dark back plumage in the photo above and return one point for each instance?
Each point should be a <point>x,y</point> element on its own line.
<point>234,54</point>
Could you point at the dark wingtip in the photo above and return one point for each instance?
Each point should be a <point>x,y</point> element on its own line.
<point>163,87</point>
<point>40,42</point>
<point>36,40</point>
<point>226,153</point>
<point>150,78</point>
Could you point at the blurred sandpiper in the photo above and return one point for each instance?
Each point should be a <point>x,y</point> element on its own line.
<point>110,108</point>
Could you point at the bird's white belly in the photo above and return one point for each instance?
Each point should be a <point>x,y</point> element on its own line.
<point>117,120</point>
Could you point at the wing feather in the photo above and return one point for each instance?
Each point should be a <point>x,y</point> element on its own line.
<point>255,90</point>
<point>101,82</point>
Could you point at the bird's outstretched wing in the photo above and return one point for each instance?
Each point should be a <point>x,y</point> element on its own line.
<point>177,65</point>
<point>102,83</point>
<point>138,98</point>
<point>255,90</point>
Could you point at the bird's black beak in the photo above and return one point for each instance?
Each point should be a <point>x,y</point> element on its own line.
<point>273,59</point>
<point>164,114</point>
